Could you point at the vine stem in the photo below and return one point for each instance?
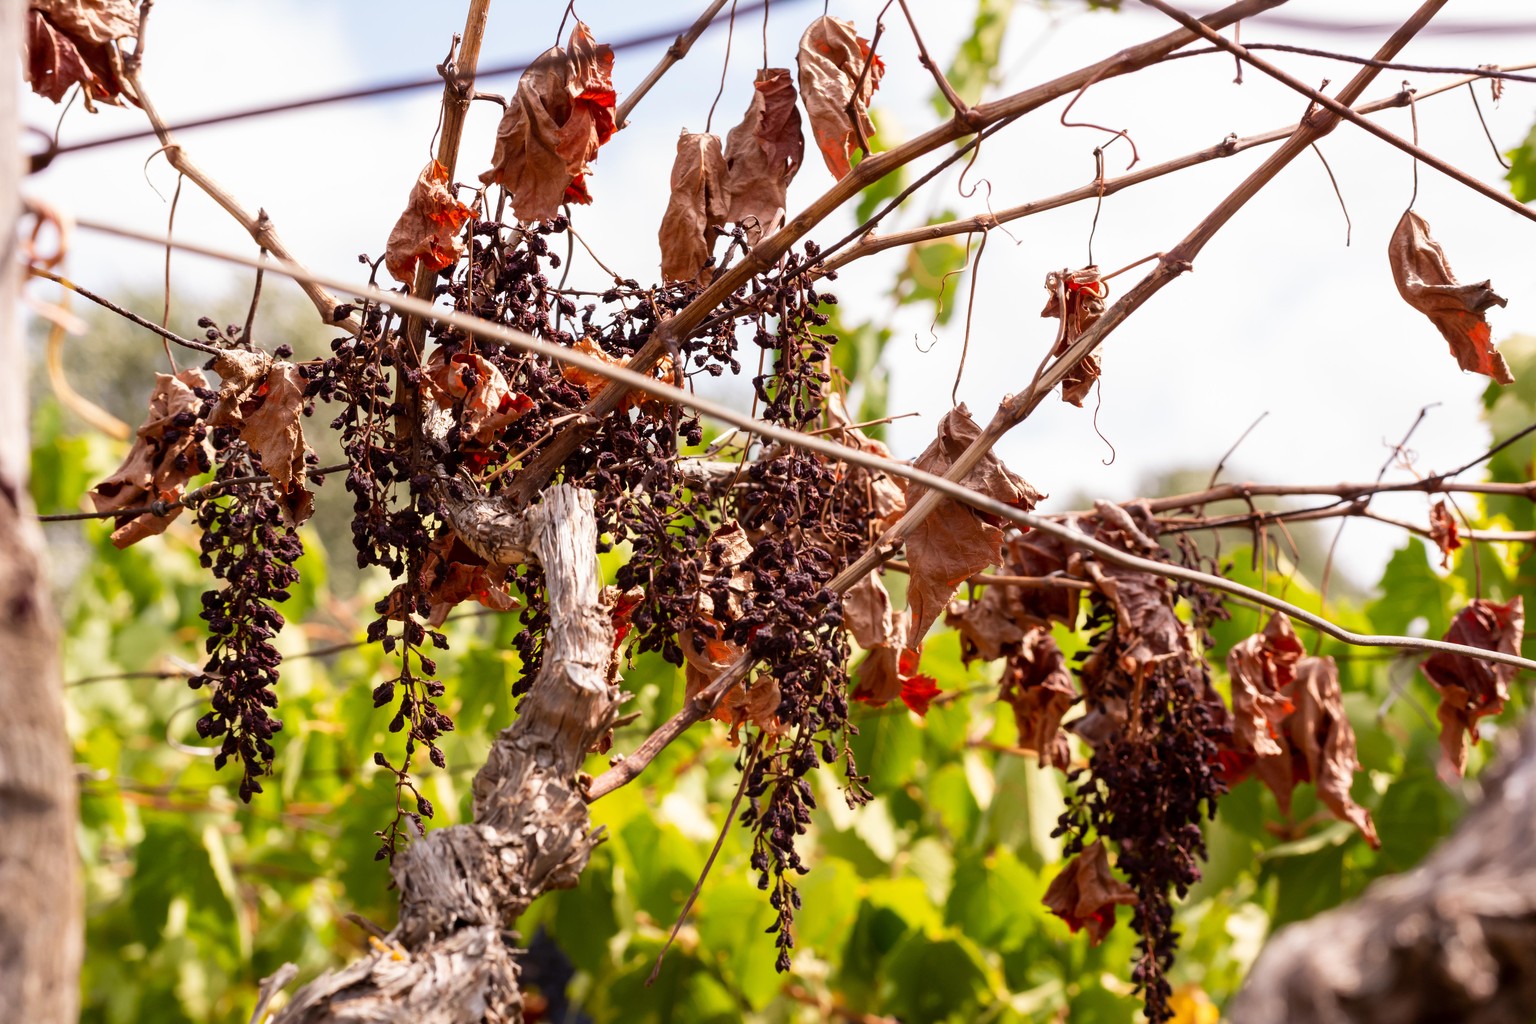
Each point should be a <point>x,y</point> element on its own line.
<point>1015,409</point>
<point>767,252</point>
<point>872,243</point>
<point>675,53</point>
<point>1342,110</point>
<point>258,227</point>
<point>704,701</point>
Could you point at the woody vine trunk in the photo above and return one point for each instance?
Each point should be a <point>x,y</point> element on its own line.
<point>451,958</point>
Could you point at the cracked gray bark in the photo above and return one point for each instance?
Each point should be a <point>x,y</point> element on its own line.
<point>1452,940</point>
<point>40,934</point>
<point>452,959</point>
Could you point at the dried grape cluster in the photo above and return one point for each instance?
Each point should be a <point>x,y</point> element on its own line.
<point>247,546</point>
<point>1153,722</point>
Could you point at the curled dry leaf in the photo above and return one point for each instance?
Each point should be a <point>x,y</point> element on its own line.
<point>428,231</point>
<point>477,388</point>
<point>997,623</point>
<point>1443,531</point>
<point>1425,280</point>
<point>1471,689</point>
<point>596,382</point>
<point>1038,687</point>
<point>1323,742</point>
<point>697,207</point>
<point>451,573</point>
<point>1077,300</point>
<point>832,61</point>
<point>762,155</point>
<point>867,613</point>
<point>1086,893</point>
<point>263,400</point>
<point>166,454</point>
<point>956,541</point>
<point>1261,667</point>
<point>890,670</point>
<point>560,115</point>
<point>69,42</point>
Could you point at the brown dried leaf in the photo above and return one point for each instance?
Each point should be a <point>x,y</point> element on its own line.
<point>452,574</point>
<point>264,400</point>
<point>478,389</point>
<point>831,58</point>
<point>697,207</point>
<point>70,41</point>
<point>994,625</point>
<point>428,230</point>
<point>1322,740</point>
<point>1144,613</point>
<point>596,382</point>
<point>1425,281</point>
<point>1037,685</point>
<point>762,155</point>
<point>1471,689</point>
<point>1077,300</point>
<point>561,113</point>
<point>1443,531</point>
<point>1261,667</point>
<point>867,613</point>
<point>956,541</point>
<point>1086,893</point>
<point>163,458</point>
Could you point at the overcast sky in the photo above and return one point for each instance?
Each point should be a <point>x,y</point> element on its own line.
<point>1279,315</point>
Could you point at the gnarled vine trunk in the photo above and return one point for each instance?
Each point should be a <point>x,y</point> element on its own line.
<point>1454,939</point>
<point>450,958</point>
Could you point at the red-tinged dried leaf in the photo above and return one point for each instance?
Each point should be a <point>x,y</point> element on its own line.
<point>452,574</point>
<point>596,382</point>
<point>1037,685</point>
<point>955,541</point>
<point>762,155</point>
<point>475,388</point>
<point>428,231</point>
<point>697,207</point>
<point>1077,300</point>
<point>832,61</point>
<point>1086,893</point>
<point>1471,689</point>
<point>1261,667</point>
<point>70,42</point>
<point>1323,742</point>
<point>890,670</point>
<point>559,116</point>
<point>164,456</point>
<point>264,400</point>
<point>1425,280</point>
<point>1443,531</point>
<point>623,604</point>
<point>879,677</point>
<point>918,692</point>
<point>589,83</point>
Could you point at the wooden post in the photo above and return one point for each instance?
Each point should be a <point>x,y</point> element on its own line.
<point>40,940</point>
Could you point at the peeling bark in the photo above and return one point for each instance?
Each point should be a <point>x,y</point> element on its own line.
<point>1454,939</point>
<point>451,960</point>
